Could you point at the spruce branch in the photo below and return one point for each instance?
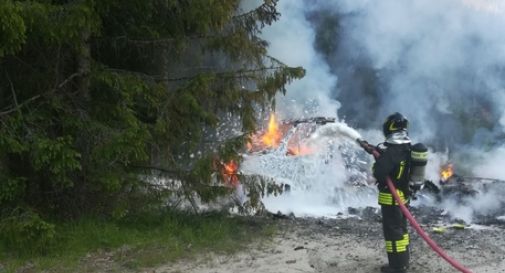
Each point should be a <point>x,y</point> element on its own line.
<point>17,106</point>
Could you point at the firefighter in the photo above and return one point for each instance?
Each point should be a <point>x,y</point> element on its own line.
<point>394,162</point>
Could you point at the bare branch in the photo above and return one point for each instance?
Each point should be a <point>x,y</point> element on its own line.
<point>17,107</point>
<point>67,80</point>
<point>239,74</point>
<point>156,168</point>
<point>153,42</point>
<point>14,97</point>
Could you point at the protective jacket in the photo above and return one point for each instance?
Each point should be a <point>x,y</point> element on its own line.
<point>394,162</point>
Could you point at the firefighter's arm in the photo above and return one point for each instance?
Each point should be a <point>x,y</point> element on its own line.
<point>383,166</point>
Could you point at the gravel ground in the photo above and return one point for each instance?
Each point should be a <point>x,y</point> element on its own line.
<point>352,245</point>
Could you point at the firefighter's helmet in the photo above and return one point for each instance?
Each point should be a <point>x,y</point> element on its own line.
<point>395,123</point>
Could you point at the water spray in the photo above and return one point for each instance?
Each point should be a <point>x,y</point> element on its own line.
<point>323,181</point>
<point>337,129</point>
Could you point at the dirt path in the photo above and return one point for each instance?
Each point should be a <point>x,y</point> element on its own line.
<point>350,245</point>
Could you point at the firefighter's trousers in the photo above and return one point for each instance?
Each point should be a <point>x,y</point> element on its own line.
<point>394,225</point>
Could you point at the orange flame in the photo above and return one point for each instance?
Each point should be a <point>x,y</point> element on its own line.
<point>446,172</point>
<point>297,144</point>
<point>230,173</point>
<point>300,150</point>
<point>272,138</point>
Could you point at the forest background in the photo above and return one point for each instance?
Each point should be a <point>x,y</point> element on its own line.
<point>101,99</point>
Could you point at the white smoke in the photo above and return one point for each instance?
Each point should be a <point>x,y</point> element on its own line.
<point>316,179</point>
<point>485,201</point>
<point>492,164</point>
<point>291,41</point>
<point>441,63</point>
<point>435,160</point>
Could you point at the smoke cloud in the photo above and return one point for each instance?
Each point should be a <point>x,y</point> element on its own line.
<point>438,62</point>
<point>291,41</point>
<point>492,166</point>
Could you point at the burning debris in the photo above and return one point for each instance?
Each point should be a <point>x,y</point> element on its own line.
<point>267,139</point>
<point>290,136</point>
<point>272,137</point>
<point>450,184</point>
<point>446,172</point>
<point>284,144</point>
<point>299,149</point>
<point>297,133</point>
<point>464,198</point>
<point>229,173</point>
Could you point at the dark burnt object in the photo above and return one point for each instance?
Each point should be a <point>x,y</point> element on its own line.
<point>463,188</point>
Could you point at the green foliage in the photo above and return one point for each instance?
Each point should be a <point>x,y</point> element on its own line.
<point>95,95</point>
<point>25,231</point>
<point>57,156</point>
<point>12,28</point>
<point>158,19</point>
<point>11,188</point>
<point>137,241</point>
<point>9,141</point>
<point>49,24</point>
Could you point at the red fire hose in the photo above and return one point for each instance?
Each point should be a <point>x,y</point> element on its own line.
<point>418,228</point>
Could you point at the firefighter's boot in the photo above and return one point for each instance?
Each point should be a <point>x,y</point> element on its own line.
<point>388,269</point>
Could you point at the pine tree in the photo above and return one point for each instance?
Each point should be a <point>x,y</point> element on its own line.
<point>95,96</point>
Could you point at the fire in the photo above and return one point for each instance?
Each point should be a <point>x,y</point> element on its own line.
<point>267,139</point>
<point>300,150</point>
<point>272,137</point>
<point>230,173</point>
<point>298,145</point>
<point>230,167</point>
<point>446,172</point>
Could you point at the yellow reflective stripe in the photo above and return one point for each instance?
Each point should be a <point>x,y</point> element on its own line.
<point>419,155</point>
<point>389,246</point>
<point>402,167</point>
<point>398,246</point>
<point>401,249</point>
<point>387,198</point>
<point>401,245</point>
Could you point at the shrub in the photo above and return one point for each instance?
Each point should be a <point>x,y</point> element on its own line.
<point>24,231</point>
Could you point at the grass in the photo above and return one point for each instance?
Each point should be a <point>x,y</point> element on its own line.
<point>139,242</point>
